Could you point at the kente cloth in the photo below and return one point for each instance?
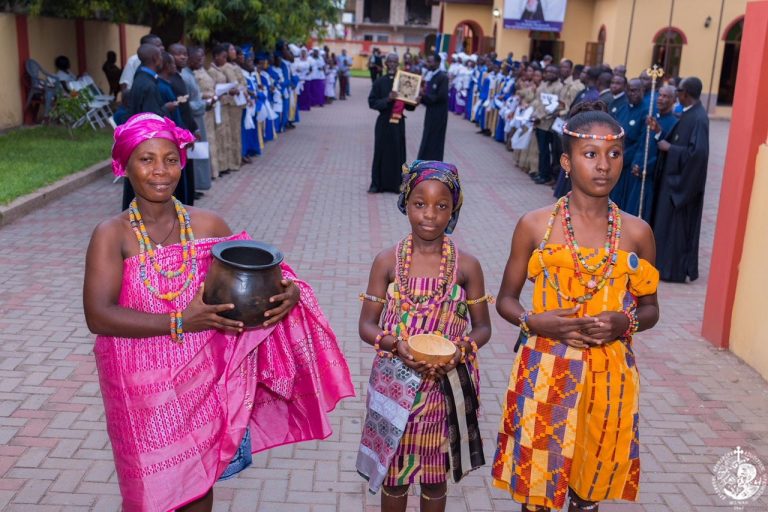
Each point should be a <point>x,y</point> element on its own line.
<point>142,127</point>
<point>408,435</point>
<point>422,170</point>
<point>177,413</point>
<point>571,415</point>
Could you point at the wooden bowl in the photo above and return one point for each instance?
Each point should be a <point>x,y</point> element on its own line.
<point>431,349</point>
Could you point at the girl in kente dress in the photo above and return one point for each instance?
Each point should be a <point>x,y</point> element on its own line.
<point>570,423</point>
<point>422,419</point>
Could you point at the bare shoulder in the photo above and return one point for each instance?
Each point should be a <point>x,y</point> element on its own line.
<point>207,223</point>
<point>468,262</point>
<point>469,267</point>
<point>110,229</point>
<point>385,259</point>
<point>533,224</point>
<point>636,233</point>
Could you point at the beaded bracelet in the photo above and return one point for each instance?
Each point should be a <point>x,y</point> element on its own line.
<point>372,298</point>
<point>177,327</point>
<point>634,323</point>
<point>523,318</point>
<point>377,346</point>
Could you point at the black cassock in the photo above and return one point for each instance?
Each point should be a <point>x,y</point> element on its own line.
<point>389,139</point>
<point>435,119</point>
<point>681,174</point>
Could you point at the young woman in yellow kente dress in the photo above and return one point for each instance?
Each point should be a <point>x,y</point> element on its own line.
<point>570,421</point>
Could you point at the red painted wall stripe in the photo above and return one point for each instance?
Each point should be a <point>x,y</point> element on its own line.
<point>749,126</point>
<point>82,64</point>
<point>22,44</point>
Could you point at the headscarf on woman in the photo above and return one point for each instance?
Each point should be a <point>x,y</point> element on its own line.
<point>422,170</point>
<point>142,127</point>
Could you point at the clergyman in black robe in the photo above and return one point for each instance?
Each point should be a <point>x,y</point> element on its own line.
<point>681,175</point>
<point>435,98</point>
<point>389,137</point>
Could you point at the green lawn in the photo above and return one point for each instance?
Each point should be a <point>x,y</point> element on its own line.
<point>31,158</point>
<point>360,73</point>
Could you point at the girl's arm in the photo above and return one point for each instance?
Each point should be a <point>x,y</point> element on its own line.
<point>373,307</point>
<point>515,272</point>
<point>647,305</point>
<point>474,286</point>
<point>370,314</point>
<point>614,324</point>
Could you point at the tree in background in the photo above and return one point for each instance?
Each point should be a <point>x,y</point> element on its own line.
<point>260,22</point>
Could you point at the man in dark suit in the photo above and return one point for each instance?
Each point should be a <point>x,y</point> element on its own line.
<point>435,97</point>
<point>145,96</point>
<point>681,175</point>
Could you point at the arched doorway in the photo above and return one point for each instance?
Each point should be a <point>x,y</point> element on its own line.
<point>668,50</point>
<point>546,43</point>
<point>731,50</point>
<point>466,37</point>
<point>595,51</point>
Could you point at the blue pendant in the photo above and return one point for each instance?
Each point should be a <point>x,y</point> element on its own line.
<point>633,262</point>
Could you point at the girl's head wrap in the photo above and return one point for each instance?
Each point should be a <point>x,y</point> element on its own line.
<point>422,170</point>
<point>143,127</point>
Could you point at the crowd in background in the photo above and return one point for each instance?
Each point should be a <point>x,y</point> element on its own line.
<point>526,106</point>
<point>235,105</point>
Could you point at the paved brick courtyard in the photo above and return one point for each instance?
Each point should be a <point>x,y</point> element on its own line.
<point>307,195</point>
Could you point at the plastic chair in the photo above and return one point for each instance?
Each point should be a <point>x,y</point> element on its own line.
<point>43,86</point>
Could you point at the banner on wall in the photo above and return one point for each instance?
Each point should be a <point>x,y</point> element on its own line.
<point>541,15</point>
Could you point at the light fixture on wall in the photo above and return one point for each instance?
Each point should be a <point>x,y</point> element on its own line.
<point>496,12</point>
<point>708,22</point>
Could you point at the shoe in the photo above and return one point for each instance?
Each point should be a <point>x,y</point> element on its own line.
<point>373,190</point>
<point>290,126</point>
<point>480,132</point>
<point>224,172</point>
<point>540,181</point>
<point>246,160</point>
<point>198,195</point>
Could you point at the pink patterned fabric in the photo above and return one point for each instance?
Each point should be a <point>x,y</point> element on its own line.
<point>143,127</point>
<point>176,413</point>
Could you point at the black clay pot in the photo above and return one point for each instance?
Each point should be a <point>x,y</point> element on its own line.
<point>245,273</point>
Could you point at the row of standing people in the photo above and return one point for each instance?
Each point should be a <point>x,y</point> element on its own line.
<point>236,105</point>
<point>526,107</point>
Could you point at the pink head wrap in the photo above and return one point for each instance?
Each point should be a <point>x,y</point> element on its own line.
<point>143,127</point>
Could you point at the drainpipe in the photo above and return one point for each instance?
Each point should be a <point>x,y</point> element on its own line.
<point>714,57</point>
<point>666,39</point>
<point>629,35</point>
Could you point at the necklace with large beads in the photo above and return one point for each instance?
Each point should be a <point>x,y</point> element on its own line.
<point>146,251</point>
<point>608,266</point>
<point>422,306</point>
<point>611,245</point>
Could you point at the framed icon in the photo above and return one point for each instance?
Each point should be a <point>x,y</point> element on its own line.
<point>407,86</point>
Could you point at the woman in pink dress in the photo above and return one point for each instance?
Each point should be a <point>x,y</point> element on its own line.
<point>185,389</point>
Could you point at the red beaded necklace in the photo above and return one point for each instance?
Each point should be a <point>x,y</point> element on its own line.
<point>426,304</point>
<point>608,262</point>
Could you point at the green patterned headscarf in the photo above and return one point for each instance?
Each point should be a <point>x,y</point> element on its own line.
<point>422,170</point>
